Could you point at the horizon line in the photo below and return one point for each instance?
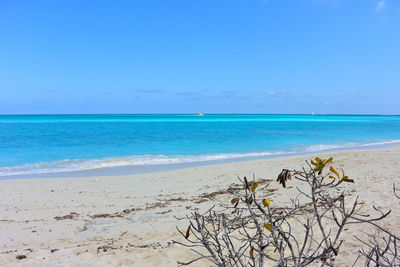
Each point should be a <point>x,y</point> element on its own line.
<point>310,114</point>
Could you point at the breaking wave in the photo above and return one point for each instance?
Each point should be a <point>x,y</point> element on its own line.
<point>73,165</point>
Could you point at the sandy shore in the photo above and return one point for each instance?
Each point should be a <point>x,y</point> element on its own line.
<point>129,220</point>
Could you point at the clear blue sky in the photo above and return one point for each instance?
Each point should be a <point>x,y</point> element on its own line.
<point>210,56</point>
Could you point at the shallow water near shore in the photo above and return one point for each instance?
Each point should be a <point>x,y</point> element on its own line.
<point>33,145</point>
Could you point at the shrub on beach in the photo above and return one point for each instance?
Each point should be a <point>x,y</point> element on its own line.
<point>253,230</point>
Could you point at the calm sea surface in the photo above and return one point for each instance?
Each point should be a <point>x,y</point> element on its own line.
<point>35,144</point>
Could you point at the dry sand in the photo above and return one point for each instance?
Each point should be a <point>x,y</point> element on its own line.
<point>129,220</point>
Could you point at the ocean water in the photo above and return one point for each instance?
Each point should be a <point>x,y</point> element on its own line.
<point>40,144</point>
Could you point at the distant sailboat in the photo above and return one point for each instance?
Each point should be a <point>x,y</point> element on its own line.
<point>312,113</point>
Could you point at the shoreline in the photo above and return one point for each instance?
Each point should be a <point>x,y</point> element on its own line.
<point>140,169</point>
<point>130,219</point>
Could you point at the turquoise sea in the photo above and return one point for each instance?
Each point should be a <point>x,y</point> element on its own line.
<point>40,144</point>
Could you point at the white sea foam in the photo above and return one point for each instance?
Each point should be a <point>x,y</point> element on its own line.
<point>71,165</point>
<point>317,148</point>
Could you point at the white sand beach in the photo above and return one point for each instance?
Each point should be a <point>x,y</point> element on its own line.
<point>129,220</point>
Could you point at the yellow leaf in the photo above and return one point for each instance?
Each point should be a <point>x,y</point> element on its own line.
<point>266,202</point>
<point>362,202</point>
<point>254,186</point>
<point>319,160</point>
<point>268,227</point>
<point>334,171</point>
<point>328,160</point>
<point>346,179</point>
<point>313,163</point>
<point>333,177</point>
<point>319,167</point>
